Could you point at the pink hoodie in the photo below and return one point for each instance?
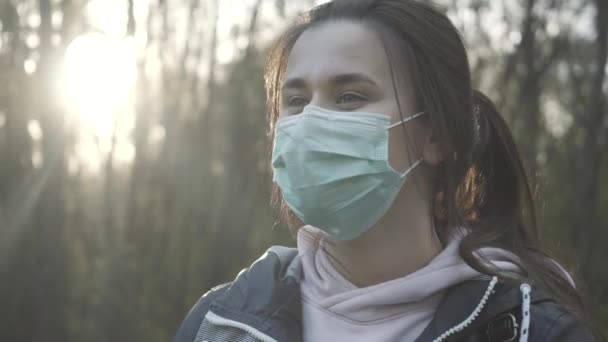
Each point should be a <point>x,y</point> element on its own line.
<point>398,310</point>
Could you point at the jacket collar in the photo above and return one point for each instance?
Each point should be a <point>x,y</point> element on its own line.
<point>266,296</point>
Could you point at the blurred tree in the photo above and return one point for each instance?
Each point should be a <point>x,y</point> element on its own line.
<point>589,227</point>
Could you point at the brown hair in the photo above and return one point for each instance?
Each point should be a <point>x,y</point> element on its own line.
<point>481,183</point>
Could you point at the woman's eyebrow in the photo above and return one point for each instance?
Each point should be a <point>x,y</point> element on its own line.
<point>336,80</point>
<point>350,78</point>
<point>294,83</point>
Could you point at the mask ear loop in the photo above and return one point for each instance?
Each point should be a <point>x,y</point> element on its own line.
<point>417,162</point>
<point>405,120</point>
<point>411,168</point>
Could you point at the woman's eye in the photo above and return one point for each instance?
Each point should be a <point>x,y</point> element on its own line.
<point>350,98</point>
<point>296,101</point>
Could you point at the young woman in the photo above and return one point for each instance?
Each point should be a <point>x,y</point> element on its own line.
<point>412,211</point>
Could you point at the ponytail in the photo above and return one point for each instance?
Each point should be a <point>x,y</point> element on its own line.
<point>503,193</point>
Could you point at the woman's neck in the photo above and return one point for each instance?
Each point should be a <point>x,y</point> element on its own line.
<point>401,243</point>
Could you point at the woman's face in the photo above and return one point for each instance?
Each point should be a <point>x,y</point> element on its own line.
<point>342,66</point>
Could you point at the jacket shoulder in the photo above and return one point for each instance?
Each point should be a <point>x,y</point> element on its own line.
<point>548,319</point>
<point>190,325</point>
<point>552,322</point>
<point>503,314</point>
<point>258,281</point>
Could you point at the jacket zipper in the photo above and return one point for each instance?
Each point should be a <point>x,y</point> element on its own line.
<point>218,320</point>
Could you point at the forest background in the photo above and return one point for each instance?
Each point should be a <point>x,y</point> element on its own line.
<point>134,168</point>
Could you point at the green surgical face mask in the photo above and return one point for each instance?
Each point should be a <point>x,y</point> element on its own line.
<point>333,169</point>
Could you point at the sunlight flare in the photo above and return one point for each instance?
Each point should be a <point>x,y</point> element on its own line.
<point>99,78</point>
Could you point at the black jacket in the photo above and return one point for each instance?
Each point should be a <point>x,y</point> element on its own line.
<point>263,304</point>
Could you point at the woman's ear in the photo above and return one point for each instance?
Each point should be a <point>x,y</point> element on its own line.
<point>431,153</point>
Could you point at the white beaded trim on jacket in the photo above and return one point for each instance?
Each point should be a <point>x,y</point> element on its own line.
<point>473,314</point>
<point>526,291</point>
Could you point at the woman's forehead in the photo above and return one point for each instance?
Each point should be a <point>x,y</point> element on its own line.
<point>338,47</point>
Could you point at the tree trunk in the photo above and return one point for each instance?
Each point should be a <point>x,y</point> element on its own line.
<point>589,227</point>
<point>531,66</point>
<point>48,251</point>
